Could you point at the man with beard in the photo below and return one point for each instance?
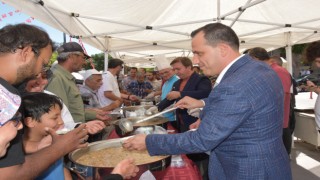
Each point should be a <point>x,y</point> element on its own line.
<point>71,58</point>
<point>24,50</point>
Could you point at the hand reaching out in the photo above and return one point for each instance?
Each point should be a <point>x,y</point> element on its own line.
<point>137,142</point>
<point>77,138</point>
<point>95,126</point>
<point>195,125</point>
<point>173,95</point>
<point>189,103</point>
<point>126,168</point>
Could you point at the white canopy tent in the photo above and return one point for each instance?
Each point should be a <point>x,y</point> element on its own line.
<point>136,30</point>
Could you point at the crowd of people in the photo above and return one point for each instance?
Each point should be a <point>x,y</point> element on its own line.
<point>235,126</point>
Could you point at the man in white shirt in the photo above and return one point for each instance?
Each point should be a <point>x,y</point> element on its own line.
<point>109,91</point>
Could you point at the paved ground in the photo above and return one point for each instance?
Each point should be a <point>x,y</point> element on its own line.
<point>305,161</point>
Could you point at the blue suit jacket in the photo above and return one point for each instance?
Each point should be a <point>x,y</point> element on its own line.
<point>197,87</point>
<point>241,127</point>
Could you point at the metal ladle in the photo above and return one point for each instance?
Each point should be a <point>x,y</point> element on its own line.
<point>127,126</point>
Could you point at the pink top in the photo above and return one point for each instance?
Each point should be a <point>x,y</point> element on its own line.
<point>286,83</point>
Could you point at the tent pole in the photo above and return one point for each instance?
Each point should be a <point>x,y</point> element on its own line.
<point>106,52</point>
<point>185,23</point>
<point>260,31</point>
<point>110,33</point>
<point>307,37</point>
<point>106,61</point>
<point>112,21</point>
<point>239,14</point>
<point>289,51</point>
<point>242,8</point>
<point>55,19</point>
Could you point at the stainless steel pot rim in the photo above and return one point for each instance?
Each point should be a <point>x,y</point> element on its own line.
<point>74,155</point>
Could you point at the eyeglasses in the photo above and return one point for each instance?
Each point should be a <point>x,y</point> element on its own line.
<point>16,119</point>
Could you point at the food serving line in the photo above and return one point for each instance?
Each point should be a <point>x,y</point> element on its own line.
<point>136,121</point>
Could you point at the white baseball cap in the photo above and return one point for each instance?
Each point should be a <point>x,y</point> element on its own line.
<point>90,72</point>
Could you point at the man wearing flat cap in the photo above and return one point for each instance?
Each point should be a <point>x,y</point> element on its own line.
<point>71,58</point>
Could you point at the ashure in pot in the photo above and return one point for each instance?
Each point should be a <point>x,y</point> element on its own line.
<point>102,156</point>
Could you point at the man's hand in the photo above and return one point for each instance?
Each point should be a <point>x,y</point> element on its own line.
<point>126,168</point>
<point>95,126</point>
<point>46,141</point>
<point>77,138</point>
<point>310,83</point>
<point>173,95</point>
<point>133,98</point>
<point>137,142</point>
<point>195,125</point>
<point>103,115</point>
<point>189,103</point>
<point>194,112</point>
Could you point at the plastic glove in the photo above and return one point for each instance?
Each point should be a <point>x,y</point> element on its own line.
<point>194,112</point>
<point>152,110</point>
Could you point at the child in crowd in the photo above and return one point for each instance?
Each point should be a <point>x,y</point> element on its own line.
<point>40,111</point>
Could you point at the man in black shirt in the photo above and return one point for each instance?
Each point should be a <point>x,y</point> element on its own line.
<point>24,50</point>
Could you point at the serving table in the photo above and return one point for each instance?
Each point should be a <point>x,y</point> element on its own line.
<point>305,128</point>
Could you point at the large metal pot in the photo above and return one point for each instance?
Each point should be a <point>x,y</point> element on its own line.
<point>159,121</point>
<point>135,111</point>
<point>158,168</point>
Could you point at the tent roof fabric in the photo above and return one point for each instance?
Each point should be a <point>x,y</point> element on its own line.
<point>144,28</point>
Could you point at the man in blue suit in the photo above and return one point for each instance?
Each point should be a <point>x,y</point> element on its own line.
<point>190,84</point>
<point>241,121</point>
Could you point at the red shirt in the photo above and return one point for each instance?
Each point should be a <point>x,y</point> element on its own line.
<point>285,77</point>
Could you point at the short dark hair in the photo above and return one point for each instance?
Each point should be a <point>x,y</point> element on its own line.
<point>186,62</point>
<point>134,68</point>
<point>259,53</point>
<point>36,104</point>
<point>13,37</point>
<point>215,33</point>
<point>113,63</point>
<point>312,51</point>
<point>144,70</point>
<point>277,59</point>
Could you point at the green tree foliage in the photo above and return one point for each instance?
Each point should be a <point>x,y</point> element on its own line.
<point>97,60</point>
<point>297,49</point>
<point>53,58</point>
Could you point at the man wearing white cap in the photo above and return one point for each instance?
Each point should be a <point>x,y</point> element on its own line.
<point>92,82</point>
<point>168,75</point>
